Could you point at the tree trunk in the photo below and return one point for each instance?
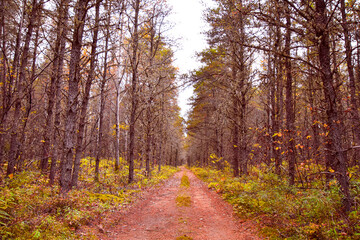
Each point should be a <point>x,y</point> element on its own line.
<point>335,153</point>
<point>101,127</point>
<point>85,101</point>
<point>148,140</point>
<point>235,140</point>
<point>57,149</point>
<point>29,95</point>
<point>290,114</point>
<point>176,157</point>
<point>278,93</point>
<point>72,98</point>
<point>133,93</point>
<point>3,81</point>
<point>352,82</point>
<point>20,87</point>
<point>117,132</point>
<point>54,82</point>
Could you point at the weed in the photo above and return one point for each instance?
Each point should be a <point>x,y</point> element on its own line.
<point>185,182</point>
<point>184,237</point>
<point>182,220</point>
<point>183,200</point>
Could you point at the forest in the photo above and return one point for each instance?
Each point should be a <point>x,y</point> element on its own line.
<point>90,120</point>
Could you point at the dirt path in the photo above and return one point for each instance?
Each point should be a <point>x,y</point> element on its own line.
<point>157,216</point>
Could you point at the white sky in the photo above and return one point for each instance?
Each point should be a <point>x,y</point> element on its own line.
<point>187,18</point>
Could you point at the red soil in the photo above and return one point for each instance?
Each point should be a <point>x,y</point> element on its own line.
<point>157,216</point>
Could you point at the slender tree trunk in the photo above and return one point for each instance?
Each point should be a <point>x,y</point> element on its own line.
<point>176,157</point>
<point>14,71</point>
<point>161,139</point>
<point>2,77</point>
<point>274,125</point>
<point>85,100</point>
<point>242,86</point>
<point>117,132</point>
<point>72,98</point>
<point>20,87</point>
<point>99,149</point>
<point>54,82</point>
<point>352,81</point>
<point>57,149</point>
<point>101,127</point>
<point>335,152</point>
<point>235,140</point>
<point>160,154</point>
<point>290,114</point>
<point>169,162</point>
<point>278,93</point>
<point>56,134</point>
<point>117,102</point>
<point>148,141</point>
<point>29,95</point>
<point>243,136</point>
<point>133,94</point>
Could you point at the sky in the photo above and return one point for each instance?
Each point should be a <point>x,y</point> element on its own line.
<point>187,18</point>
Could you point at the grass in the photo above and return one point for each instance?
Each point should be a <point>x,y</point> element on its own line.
<point>183,200</point>
<point>31,209</point>
<point>185,182</point>
<point>184,237</point>
<point>182,220</point>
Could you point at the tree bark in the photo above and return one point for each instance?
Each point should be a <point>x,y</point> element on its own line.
<point>28,95</point>
<point>85,100</point>
<point>20,87</point>
<point>134,82</point>
<point>235,141</point>
<point>148,141</point>
<point>290,114</point>
<point>335,153</point>
<point>117,131</point>
<point>54,82</point>
<point>352,81</point>
<point>101,126</point>
<point>57,149</point>
<point>2,78</point>
<point>72,98</point>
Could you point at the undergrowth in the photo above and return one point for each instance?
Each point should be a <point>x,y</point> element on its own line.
<point>31,209</point>
<point>183,200</point>
<point>288,212</point>
<point>184,237</point>
<point>185,182</point>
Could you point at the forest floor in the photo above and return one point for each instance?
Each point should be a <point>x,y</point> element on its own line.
<point>162,214</point>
